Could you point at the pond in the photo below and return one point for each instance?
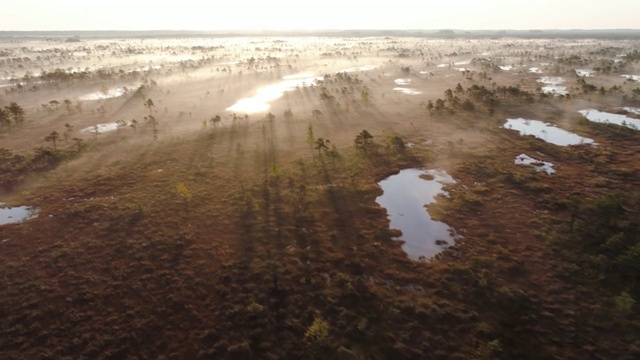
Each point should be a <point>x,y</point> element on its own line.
<point>609,118</point>
<point>101,95</point>
<point>547,132</point>
<point>552,85</point>
<point>358,68</point>
<point>402,81</point>
<point>633,110</point>
<point>405,196</point>
<point>632,77</point>
<point>16,214</point>
<point>260,101</point>
<point>584,73</point>
<point>538,165</point>
<point>103,128</point>
<point>407,91</point>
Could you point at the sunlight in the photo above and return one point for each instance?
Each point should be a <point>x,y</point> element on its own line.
<point>260,102</point>
<point>330,14</point>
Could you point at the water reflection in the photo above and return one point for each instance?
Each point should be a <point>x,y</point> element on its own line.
<point>538,165</point>
<point>405,196</point>
<point>101,95</point>
<point>546,132</point>
<point>407,91</point>
<point>552,85</point>
<point>16,214</point>
<point>609,118</point>
<point>260,102</point>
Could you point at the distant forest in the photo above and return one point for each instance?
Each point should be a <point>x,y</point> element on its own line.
<point>598,34</point>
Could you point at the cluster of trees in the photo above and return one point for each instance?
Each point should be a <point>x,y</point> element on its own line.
<point>15,166</point>
<point>476,95</point>
<point>607,67</point>
<point>363,140</point>
<point>341,77</point>
<point>55,104</point>
<point>151,120</point>
<point>63,75</point>
<point>55,136</point>
<point>632,56</point>
<point>12,114</point>
<point>604,241</point>
<point>586,87</point>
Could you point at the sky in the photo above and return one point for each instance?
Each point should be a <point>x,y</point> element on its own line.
<point>318,15</point>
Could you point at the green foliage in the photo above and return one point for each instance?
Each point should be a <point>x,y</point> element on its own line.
<point>16,111</point>
<point>430,106</point>
<point>363,140</point>
<point>624,303</point>
<point>395,143</point>
<point>333,153</point>
<point>183,192</point>
<point>5,118</point>
<point>605,240</point>
<point>53,137</point>
<point>215,120</point>
<point>468,200</point>
<point>255,308</point>
<point>151,120</point>
<point>495,346</point>
<point>149,105</point>
<point>632,56</point>
<point>321,144</point>
<point>318,331</point>
<point>12,112</point>
<point>310,137</point>
<point>364,95</point>
<point>287,115</point>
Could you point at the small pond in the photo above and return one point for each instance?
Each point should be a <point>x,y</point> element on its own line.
<point>609,118</point>
<point>632,77</point>
<point>10,215</point>
<point>264,95</point>
<point>547,132</point>
<point>402,81</point>
<point>407,91</point>
<point>584,73</point>
<point>538,165</point>
<point>552,85</point>
<point>358,68</point>
<point>102,128</point>
<point>405,196</point>
<point>101,95</point>
<point>634,110</point>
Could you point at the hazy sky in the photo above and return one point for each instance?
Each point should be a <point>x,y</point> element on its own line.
<point>326,14</point>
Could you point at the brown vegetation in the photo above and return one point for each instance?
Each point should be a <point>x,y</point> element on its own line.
<point>258,236</point>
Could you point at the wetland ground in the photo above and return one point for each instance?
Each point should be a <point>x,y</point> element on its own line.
<point>189,227</point>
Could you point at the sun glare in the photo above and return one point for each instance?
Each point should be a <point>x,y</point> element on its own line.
<point>330,14</point>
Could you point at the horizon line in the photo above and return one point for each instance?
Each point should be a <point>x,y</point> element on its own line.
<point>327,29</point>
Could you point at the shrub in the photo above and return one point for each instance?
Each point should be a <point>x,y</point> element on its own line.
<point>318,330</point>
